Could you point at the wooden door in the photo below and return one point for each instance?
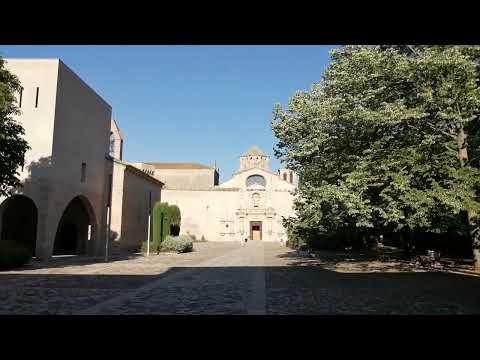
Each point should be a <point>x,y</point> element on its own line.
<point>256,230</point>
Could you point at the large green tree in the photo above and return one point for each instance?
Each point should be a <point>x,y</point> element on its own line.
<point>12,144</point>
<point>380,141</point>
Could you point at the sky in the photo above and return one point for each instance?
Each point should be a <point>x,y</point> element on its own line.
<point>205,104</point>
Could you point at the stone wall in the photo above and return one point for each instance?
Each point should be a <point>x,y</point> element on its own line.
<point>130,202</point>
<point>187,179</point>
<point>69,126</point>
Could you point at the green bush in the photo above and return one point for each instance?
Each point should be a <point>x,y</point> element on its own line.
<point>160,212</point>
<point>13,255</point>
<point>294,240</point>
<point>154,247</point>
<point>171,217</point>
<point>174,215</point>
<point>180,244</point>
<point>326,242</point>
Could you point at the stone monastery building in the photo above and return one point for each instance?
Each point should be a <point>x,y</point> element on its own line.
<point>249,205</point>
<point>78,191</point>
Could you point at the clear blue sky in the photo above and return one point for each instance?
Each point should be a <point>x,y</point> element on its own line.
<point>191,103</point>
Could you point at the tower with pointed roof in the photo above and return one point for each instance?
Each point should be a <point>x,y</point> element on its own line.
<point>254,158</point>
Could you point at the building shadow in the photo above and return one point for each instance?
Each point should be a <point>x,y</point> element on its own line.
<point>282,290</point>
<point>62,261</point>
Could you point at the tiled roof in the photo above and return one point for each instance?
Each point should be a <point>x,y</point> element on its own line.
<point>134,170</point>
<point>254,150</point>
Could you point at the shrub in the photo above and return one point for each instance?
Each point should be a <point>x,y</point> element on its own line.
<point>203,239</point>
<point>154,247</point>
<point>160,212</point>
<point>180,244</point>
<point>294,240</point>
<point>13,255</point>
<point>174,215</point>
<point>170,216</point>
<point>193,237</point>
<point>326,242</point>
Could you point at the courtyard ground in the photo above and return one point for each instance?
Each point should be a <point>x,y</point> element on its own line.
<point>228,278</point>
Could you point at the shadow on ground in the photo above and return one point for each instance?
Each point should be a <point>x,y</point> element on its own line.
<point>306,290</point>
<point>61,261</point>
<point>387,259</point>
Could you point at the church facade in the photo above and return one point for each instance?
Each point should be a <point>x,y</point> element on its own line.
<point>251,205</point>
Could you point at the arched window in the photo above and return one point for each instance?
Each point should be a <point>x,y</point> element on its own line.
<point>256,180</point>
<point>291,178</point>
<point>285,176</point>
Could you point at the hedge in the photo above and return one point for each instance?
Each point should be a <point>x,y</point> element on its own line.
<point>171,217</point>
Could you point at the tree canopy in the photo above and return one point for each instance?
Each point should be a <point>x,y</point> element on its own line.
<point>381,141</point>
<point>165,217</point>
<point>12,144</point>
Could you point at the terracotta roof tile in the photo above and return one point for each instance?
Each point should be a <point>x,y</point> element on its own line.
<point>254,150</point>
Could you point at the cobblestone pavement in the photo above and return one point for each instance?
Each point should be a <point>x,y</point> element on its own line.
<point>229,278</point>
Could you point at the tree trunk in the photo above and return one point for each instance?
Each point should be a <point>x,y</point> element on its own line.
<point>476,257</point>
<point>471,215</point>
<point>405,244</point>
<point>462,147</point>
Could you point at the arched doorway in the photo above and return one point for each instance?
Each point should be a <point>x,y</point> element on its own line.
<point>76,229</point>
<point>19,221</point>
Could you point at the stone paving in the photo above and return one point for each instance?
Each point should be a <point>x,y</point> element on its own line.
<point>230,278</point>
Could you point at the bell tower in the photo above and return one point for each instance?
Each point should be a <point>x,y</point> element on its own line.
<point>254,158</point>
<point>288,176</point>
<point>116,141</point>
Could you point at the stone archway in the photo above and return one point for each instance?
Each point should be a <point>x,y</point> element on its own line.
<point>77,228</point>
<point>19,221</point>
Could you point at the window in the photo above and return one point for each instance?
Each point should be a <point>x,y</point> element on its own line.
<point>36,97</point>
<point>112,144</point>
<point>256,180</point>
<point>84,172</point>
<point>291,178</point>
<point>285,176</point>
<point>20,97</point>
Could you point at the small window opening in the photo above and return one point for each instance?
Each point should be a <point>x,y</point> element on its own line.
<point>36,97</point>
<point>285,176</point>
